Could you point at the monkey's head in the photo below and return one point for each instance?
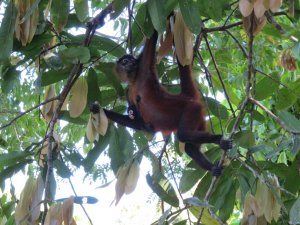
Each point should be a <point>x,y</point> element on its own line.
<point>126,68</point>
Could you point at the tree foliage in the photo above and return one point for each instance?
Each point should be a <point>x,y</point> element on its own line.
<point>57,57</point>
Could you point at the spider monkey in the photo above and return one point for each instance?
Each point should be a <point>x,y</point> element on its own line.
<point>153,109</point>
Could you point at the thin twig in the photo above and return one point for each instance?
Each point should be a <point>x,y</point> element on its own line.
<point>27,111</point>
<point>95,23</point>
<point>276,118</point>
<point>176,183</point>
<point>242,108</point>
<point>219,76</point>
<point>84,210</point>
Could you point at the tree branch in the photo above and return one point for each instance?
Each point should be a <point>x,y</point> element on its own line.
<point>242,109</point>
<point>27,111</point>
<point>96,22</point>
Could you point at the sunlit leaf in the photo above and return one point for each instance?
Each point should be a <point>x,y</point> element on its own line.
<point>78,97</point>
<point>156,11</point>
<point>7,31</point>
<point>81,9</point>
<point>60,12</point>
<point>163,188</point>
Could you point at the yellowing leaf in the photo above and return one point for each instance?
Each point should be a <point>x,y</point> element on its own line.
<point>26,24</point>
<point>24,204</point>
<point>54,215</point>
<point>275,5</point>
<point>121,182</point>
<point>246,7</point>
<point>103,122</point>
<point>37,198</point>
<point>133,176</point>
<point>91,132</point>
<point>79,97</point>
<point>49,93</point>
<point>259,8</point>
<point>183,41</point>
<point>67,207</point>
<point>34,19</point>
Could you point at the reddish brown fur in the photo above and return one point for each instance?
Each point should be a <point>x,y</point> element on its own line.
<point>166,112</point>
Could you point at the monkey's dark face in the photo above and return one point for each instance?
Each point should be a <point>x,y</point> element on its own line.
<point>126,67</point>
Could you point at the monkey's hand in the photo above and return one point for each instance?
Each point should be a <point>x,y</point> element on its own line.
<point>225,144</point>
<point>217,170</point>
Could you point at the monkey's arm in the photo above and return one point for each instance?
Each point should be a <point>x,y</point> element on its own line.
<point>124,120</point>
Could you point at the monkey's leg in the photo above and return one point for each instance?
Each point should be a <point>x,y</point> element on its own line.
<point>192,128</point>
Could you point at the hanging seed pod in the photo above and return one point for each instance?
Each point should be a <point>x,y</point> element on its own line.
<point>78,97</point>
<point>133,177</point>
<point>246,7</point>
<point>183,41</point>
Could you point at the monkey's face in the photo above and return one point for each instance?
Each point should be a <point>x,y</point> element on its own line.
<point>126,68</point>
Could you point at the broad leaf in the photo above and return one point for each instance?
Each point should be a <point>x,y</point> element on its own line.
<point>295,213</point>
<point>60,12</point>
<point>7,31</point>
<point>266,87</point>
<point>9,80</point>
<point>285,99</point>
<point>245,139</point>
<point>157,14</point>
<point>216,108</point>
<point>81,9</point>
<point>75,55</point>
<point>190,15</point>
<point>289,120</point>
<point>163,188</point>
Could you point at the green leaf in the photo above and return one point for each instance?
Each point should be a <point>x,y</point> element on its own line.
<point>245,139</point>
<point>9,80</point>
<point>75,55</point>
<point>183,222</point>
<point>157,14</point>
<point>191,15</point>
<point>109,71</point>
<point>106,45</point>
<point>295,213</point>
<point>258,116</point>
<point>137,30</point>
<point>95,152</point>
<point>289,120</point>
<point>227,208</point>
<point>189,178</point>
<point>118,7</point>
<point>285,99</point>
<point>64,115</point>
<point>163,188</point>
<point>271,31</point>
<point>94,93</point>
<point>62,169</point>
<point>194,201</point>
<point>266,87</point>
<point>11,170</point>
<point>216,108</point>
<point>60,12</point>
<point>120,147</point>
<point>9,159</point>
<point>214,9</point>
<point>53,76</point>
<point>81,9</point>
<point>7,31</point>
